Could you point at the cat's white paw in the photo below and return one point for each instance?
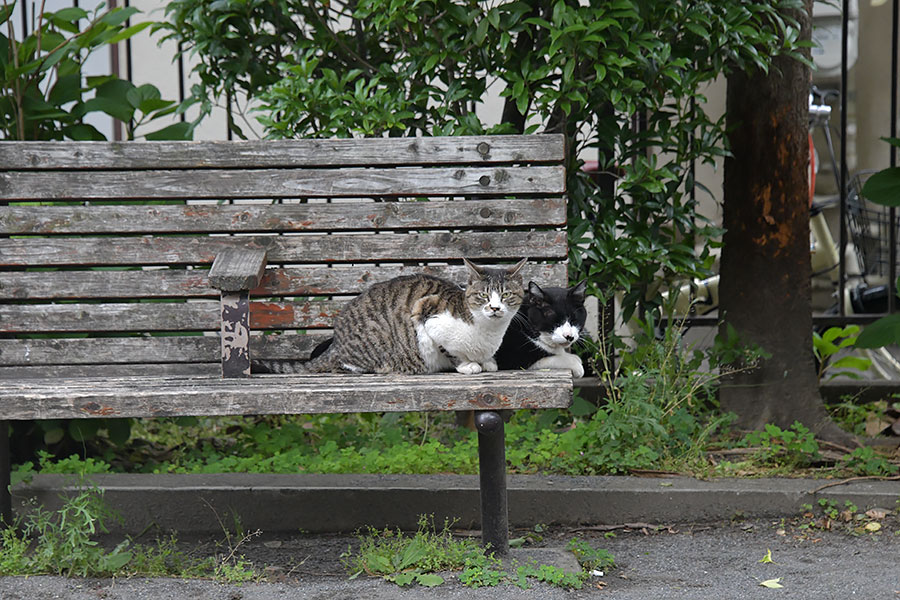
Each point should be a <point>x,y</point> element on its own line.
<point>572,362</point>
<point>490,365</point>
<point>469,368</point>
<point>576,366</point>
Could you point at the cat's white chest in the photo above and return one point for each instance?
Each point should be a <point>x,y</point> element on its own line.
<point>445,341</point>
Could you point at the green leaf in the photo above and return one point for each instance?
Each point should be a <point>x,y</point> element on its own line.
<point>67,89</point>
<point>378,563</point>
<point>116,559</point>
<point>110,106</point>
<point>772,583</point>
<point>493,17</point>
<point>481,32</point>
<point>581,407</point>
<point>129,32</point>
<point>851,362</point>
<point>412,554</point>
<point>119,430</point>
<point>882,332</point>
<point>176,131</point>
<point>429,579</point>
<point>82,430</point>
<point>402,579</point>
<point>884,187</point>
<point>117,16</point>
<point>83,132</point>
<point>5,12</point>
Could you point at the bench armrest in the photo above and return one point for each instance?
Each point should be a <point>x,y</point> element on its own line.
<point>238,269</point>
<point>234,273</point>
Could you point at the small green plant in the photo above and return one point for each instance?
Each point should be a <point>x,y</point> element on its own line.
<point>405,560</point>
<point>482,571</point>
<point>829,508</point>
<point>63,542</point>
<point>865,461</point>
<point>164,559</point>
<point>416,559</point>
<point>794,447</point>
<point>550,574</point>
<point>590,558</point>
<point>826,347</point>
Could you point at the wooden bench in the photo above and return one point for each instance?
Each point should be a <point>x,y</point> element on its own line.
<point>107,253</point>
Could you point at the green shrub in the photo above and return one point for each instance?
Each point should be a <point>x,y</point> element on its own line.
<point>46,94</point>
<point>585,69</point>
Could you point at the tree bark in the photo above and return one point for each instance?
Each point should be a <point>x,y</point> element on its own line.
<point>765,291</point>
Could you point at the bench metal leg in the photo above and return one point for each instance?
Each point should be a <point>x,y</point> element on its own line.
<point>5,467</point>
<point>492,470</point>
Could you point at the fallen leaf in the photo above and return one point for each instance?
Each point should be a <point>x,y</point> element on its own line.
<point>772,583</point>
<point>873,527</point>
<point>768,557</point>
<point>876,513</point>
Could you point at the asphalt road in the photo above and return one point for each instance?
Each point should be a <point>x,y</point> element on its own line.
<point>721,561</point>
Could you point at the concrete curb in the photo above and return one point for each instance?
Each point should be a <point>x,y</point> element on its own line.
<point>344,503</point>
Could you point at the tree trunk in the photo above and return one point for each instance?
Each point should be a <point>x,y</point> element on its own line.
<point>765,291</point>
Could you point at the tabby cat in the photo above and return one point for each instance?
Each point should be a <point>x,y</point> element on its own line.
<point>549,322</point>
<point>419,324</point>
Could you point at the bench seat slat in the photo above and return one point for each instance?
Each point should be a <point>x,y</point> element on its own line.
<point>294,394</point>
<point>282,153</point>
<point>279,183</point>
<point>194,250</point>
<point>342,216</point>
<point>211,369</point>
<point>182,283</point>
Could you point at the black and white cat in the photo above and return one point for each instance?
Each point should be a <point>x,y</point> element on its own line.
<point>546,326</point>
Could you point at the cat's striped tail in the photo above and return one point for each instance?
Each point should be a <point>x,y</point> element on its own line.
<point>323,363</point>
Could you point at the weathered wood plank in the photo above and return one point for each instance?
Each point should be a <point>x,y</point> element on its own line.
<point>235,334</point>
<point>295,394</point>
<point>112,370</point>
<point>280,183</point>
<point>236,269</point>
<point>160,316</point>
<point>315,217</point>
<point>107,351</point>
<point>189,250</point>
<point>282,153</point>
<point>182,283</point>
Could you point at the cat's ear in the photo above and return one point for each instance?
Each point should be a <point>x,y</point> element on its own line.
<point>577,292</point>
<point>475,272</point>
<point>535,291</point>
<point>514,270</point>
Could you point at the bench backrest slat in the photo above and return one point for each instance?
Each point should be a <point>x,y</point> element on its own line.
<point>105,248</point>
<point>265,216</point>
<point>374,247</point>
<point>277,183</point>
<point>283,153</point>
